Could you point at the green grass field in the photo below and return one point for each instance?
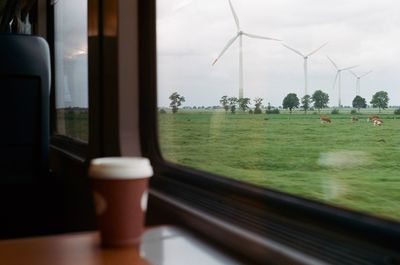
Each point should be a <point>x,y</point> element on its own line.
<point>353,165</point>
<point>73,123</point>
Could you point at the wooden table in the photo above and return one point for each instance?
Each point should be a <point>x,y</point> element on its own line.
<point>162,245</point>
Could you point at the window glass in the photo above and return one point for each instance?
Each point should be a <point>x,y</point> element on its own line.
<point>71,68</point>
<point>296,96</point>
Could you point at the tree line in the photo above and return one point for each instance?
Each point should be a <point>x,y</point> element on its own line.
<point>318,100</point>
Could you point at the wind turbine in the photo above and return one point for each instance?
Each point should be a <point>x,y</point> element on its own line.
<point>239,35</point>
<point>358,80</point>
<point>305,57</point>
<point>339,76</point>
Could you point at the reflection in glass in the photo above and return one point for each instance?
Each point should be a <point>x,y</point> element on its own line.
<point>71,68</point>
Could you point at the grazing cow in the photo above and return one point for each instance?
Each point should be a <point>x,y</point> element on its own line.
<point>324,119</point>
<point>372,117</point>
<point>377,122</point>
<point>354,119</point>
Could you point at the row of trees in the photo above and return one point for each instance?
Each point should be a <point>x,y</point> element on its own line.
<point>231,103</point>
<point>291,101</point>
<point>318,100</point>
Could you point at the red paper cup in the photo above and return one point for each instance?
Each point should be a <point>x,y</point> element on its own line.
<point>120,189</point>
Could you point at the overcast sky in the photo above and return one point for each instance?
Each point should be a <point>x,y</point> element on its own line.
<point>71,60</point>
<point>191,34</point>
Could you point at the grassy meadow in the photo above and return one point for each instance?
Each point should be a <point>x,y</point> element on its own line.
<point>73,122</point>
<point>354,165</point>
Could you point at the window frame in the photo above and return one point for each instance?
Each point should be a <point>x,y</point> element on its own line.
<point>69,158</point>
<point>342,226</point>
<point>59,143</point>
<point>103,113</point>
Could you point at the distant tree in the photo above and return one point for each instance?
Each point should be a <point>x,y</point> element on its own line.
<point>290,102</point>
<point>269,106</point>
<point>320,100</point>
<point>224,102</point>
<point>359,102</point>
<point>272,111</point>
<point>306,103</point>
<point>335,111</point>
<point>258,104</point>
<point>380,99</point>
<point>176,101</point>
<point>243,103</point>
<point>232,104</point>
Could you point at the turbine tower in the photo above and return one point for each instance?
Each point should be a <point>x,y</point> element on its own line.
<point>358,80</point>
<point>239,35</point>
<point>305,57</point>
<point>338,78</point>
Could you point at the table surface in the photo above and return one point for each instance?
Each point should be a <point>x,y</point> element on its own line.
<point>165,245</point>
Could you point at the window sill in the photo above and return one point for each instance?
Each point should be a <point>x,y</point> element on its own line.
<point>160,245</point>
<point>72,148</point>
<point>271,227</point>
<point>248,245</point>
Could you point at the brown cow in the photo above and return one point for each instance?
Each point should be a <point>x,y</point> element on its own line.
<point>377,122</point>
<point>324,119</point>
<point>372,117</point>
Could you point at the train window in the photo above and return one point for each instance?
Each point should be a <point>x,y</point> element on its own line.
<point>71,68</point>
<point>290,95</point>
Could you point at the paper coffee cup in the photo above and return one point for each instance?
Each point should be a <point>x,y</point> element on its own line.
<point>120,190</point>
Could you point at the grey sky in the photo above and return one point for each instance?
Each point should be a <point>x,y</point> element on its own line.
<point>191,34</point>
<point>71,60</point>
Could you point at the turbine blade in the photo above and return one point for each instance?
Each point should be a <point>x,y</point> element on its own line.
<point>333,63</point>
<point>366,74</point>
<point>293,50</point>
<point>259,37</point>
<point>234,15</point>
<point>311,53</point>
<point>353,74</point>
<point>336,77</point>
<point>348,68</point>
<point>226,47</point>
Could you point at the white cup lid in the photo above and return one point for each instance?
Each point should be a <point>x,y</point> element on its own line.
<point>120,168</point>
